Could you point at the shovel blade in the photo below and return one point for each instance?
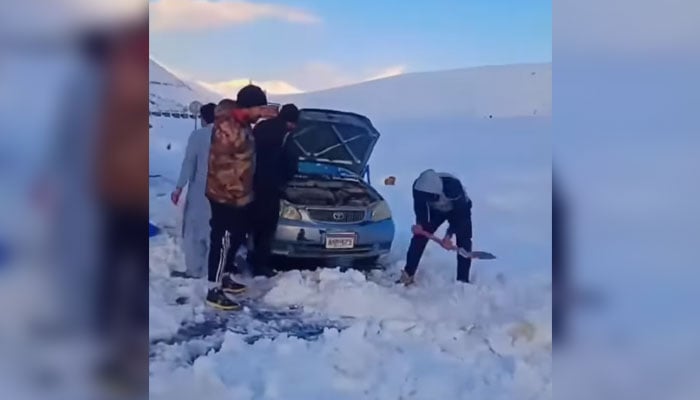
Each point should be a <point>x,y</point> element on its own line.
<point>480,255</point>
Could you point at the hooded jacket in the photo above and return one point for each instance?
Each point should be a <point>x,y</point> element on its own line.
<point>231,163</point>
<point>438,192</point>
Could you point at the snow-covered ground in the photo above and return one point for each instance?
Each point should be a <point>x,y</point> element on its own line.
<point>345,335</point>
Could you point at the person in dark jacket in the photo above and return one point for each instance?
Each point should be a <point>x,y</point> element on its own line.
<point>439,197</point>
<point>273,170</point>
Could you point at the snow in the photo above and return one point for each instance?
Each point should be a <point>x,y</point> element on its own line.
<point>366,360</point>
<point>505,91</point>
<point>349,335</point>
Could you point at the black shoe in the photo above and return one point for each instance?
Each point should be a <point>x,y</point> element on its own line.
<point>231,286</point>
<point>217,298</point>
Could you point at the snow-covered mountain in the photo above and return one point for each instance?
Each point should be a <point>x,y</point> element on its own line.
<point>169,93</point>
<point>499,91</point>
<point>503,91</point>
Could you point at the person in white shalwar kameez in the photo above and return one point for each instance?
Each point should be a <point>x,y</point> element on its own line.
<point>197,211</point>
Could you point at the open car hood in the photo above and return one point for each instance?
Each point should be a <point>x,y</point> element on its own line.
<point>335,137</point>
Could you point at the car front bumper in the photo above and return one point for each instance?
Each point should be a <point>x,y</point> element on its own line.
<point>303,239</point>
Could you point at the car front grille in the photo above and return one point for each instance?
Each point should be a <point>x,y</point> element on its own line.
<point>337,216</point>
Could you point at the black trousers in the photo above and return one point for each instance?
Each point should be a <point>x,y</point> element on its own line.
<point>229,225</point>
<point>461,222</point>
<point>265,213</point>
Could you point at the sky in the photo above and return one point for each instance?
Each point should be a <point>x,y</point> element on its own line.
<point>308,45</point>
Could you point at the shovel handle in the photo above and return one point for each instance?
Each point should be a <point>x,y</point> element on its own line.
<point>431,237</point>
<point>463,253</point>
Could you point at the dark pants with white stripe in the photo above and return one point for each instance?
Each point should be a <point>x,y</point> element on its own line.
<point>229,226</point>
<point>461,223</point>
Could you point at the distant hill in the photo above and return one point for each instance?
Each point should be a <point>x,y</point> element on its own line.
<point>498,91</point>
<point>503,91</point>
<point>168,93</point>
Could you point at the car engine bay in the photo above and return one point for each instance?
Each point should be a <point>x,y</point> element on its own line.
<point>343,193</point>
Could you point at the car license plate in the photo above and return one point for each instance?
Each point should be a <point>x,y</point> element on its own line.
<point>341,241</point>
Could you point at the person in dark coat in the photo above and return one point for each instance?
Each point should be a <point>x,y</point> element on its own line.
<point>274,168</point>
<point>439,197</point>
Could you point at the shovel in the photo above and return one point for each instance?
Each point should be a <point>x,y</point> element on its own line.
<point>479,255</point>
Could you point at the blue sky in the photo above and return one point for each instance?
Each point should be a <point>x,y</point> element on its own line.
<point>315,44</point>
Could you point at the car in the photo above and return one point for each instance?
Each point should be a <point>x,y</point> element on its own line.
<point>328,212</point>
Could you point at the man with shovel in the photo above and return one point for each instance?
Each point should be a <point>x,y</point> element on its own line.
<point>440,197</point>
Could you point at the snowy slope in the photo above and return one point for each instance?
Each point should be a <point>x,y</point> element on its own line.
<point>498,91</point>
<point>168,93</point>
<point>335,335</point>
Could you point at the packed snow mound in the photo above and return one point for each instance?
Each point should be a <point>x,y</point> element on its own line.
<point>351,294</point>
<point>505,91</point>
<point>312,291</point>
<point>451,342</point>
<point>168,93</point>
<point>365,361</point>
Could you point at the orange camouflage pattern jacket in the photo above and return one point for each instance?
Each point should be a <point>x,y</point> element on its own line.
<point>231,163</point>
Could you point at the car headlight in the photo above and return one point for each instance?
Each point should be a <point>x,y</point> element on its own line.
<point>381,212</point>
<point>288,211</point>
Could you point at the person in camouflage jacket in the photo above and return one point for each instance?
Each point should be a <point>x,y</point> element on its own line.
<point>230,188</point>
